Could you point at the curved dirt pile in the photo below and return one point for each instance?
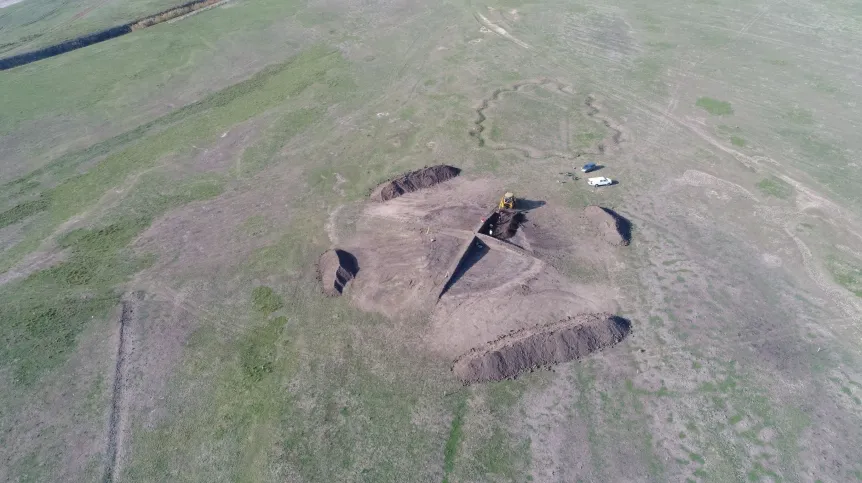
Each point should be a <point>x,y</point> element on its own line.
<point>413,181</point>
<point>335,269</point>
<point>540,346</point>
<point>615,229</point>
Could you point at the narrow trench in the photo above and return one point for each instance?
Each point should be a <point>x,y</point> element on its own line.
<point>104,35</point>
<point>111,446</point>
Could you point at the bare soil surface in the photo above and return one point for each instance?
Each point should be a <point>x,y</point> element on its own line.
<point>526,349</point>
<point>615,229</point>
<point>421,254</point>
<point>335,269</point>
<point>414,180</point>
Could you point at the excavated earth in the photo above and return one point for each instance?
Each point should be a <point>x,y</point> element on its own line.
<point>335,269</point>
<point>424,253</point>
<point>502,224</point>
<point>539,346</point>
<point>615,229</point>
<point>414,180</point>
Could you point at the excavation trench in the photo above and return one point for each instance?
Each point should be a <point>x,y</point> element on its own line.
<point>335,269</point>
<point>502,224</point>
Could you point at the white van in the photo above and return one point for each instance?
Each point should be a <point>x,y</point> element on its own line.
<point>600,181</point>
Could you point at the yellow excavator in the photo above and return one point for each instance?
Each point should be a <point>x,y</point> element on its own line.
<point>507,202</point>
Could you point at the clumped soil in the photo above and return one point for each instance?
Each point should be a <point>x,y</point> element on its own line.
<point>335,269</point>
<point>413,181</point>
<point>502,224</point>
<point>615,229</point>
<point>539,346</point>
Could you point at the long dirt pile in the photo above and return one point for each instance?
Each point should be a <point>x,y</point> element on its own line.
<point>335,269</point>
<point>414,180</point>
<point>540,346</point>
<point>615,229</point>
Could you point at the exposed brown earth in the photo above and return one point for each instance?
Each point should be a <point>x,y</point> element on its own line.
<point>335,269</point>
<point>414,180</point>
<point>425,252</point>
<point>615,229</point>
<point>534,347</point>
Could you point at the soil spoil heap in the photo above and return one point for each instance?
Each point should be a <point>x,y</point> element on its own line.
<point>335,269</point>
<point>413,181</point>
<point>615,229</point>
<point>540,346</point>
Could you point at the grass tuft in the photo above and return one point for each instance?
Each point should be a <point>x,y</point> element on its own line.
<point>775,187</point>
<point>714,106</point>
<point>265,300</point>
<point>845,274</point>
<point>23,210</point>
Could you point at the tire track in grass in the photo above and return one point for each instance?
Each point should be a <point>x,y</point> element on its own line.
<point>116,418</point>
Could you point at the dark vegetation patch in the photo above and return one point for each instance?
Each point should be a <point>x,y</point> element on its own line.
<point>714,106</point>
<point>847,275</point>
<point>265,300</point>
<point>456,432</point>
<point>40,332</point>
<point>257,353</point>
<point>775,187</point>
<point>23,210</point>
<point>43,314</point>
<point>414,180</point>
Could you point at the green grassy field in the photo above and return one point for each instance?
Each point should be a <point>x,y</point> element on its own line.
<point>192,170</point>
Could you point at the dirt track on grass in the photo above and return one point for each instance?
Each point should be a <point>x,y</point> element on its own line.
<point>539,346</point>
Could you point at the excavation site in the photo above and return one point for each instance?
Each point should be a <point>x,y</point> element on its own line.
<point>447,248</point>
